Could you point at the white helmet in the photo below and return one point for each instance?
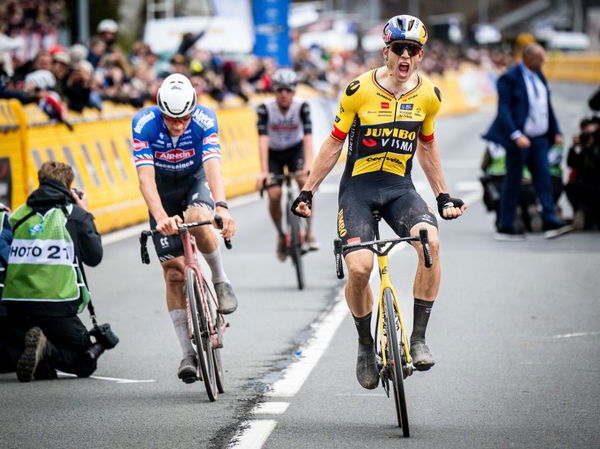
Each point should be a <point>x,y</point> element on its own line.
<point>176,97</point>
<point>285,78</point>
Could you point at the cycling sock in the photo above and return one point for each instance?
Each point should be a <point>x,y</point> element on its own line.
<point>422,310</point>
<point>363,326</point>
<point>216,266</point>
<point>180,322</point>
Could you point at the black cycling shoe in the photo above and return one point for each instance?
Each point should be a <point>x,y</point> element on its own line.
<point>35,350</point>
<point>421,356</point>
<point>188,369</point>
<point>367,372</point>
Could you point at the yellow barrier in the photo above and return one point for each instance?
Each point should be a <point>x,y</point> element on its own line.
<point>239,148</point>
<point>578,67</point>
<point>12,164</point>
<point>100,152</point>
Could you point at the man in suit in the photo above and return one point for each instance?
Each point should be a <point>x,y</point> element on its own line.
<point>526,127</point>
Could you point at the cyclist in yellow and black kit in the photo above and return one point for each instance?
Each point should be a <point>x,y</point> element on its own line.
<point>387,115</point>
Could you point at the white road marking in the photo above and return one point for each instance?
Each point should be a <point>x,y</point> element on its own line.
<point>271,408</point>
<point>111,379</point>
<point>576,334</point>
<point>254,435</point>
<point>296,373</point>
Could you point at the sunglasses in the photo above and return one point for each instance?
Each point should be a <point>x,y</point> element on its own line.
<point>283,89</point>
<point>399,47</point>
<point>177,120</point>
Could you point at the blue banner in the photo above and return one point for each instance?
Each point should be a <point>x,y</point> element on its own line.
<point>271,30</point>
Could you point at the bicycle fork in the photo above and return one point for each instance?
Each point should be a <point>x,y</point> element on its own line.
<point>386,283</point>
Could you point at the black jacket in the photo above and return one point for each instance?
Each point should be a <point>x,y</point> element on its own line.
<point>86,240</point>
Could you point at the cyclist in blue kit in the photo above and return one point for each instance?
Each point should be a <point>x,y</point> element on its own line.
<point>178,161</point>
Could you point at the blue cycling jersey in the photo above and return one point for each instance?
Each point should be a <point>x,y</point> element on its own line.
<point>152,144</point>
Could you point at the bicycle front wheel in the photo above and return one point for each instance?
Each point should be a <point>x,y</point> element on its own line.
<point>394,360</point>
<point>296,248</point>
<point>217,337</point>
<point>201,334</point>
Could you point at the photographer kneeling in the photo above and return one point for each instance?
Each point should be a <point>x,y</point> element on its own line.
<point>45,289</point>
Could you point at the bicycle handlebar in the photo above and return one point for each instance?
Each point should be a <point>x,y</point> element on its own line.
<point>181,228</point>
<point>379,247</point>
<point>287,177</point>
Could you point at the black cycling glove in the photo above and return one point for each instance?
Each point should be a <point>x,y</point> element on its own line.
<point>304,197</point>
<point>444,200</point>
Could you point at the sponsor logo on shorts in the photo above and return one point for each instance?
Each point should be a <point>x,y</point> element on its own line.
<point>176,155</point>
<point>354,241</point>
<point>341,225</point>
<point>426,219</point>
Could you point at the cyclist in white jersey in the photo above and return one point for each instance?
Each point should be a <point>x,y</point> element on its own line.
<point>285,140</point>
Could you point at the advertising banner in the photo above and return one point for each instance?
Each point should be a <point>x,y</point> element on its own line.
<point>271,30</point>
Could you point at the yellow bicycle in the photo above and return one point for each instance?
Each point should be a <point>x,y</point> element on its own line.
<point>393,352</point>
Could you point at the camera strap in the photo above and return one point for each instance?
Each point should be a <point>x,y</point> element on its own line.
<point>90,306</point>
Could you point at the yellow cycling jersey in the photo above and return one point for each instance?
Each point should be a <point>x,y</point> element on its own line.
<point>383,131</point>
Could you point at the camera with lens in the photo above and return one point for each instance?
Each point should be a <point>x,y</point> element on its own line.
<point>104,335</point>
<point>105,339</point>
<point>78,192</point>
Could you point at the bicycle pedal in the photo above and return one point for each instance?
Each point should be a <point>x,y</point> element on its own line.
<point>189,380</point>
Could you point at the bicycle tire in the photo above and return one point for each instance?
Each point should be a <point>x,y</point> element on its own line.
<point>201,335</point>
<point>394,361</point>
<point>216,318</point>
<point>296,249</point>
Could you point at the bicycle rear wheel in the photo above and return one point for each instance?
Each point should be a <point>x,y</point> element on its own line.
<point>201,334</point>
<point>216,350</point>
<point>394,360</point>
<point>296,248</point>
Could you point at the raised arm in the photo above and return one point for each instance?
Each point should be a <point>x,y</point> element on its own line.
<point>324,162</point>
<point>428,155</point>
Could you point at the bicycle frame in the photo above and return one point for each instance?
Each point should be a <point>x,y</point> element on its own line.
<point>189,255</point>
<point>386,283</point>
<point>381,249</point>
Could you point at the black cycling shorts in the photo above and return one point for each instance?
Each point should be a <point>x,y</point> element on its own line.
<point>292,158</point>
<point>176,195</point>
<point>400,207</point>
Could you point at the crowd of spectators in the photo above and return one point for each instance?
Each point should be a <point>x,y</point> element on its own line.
<point>34,68</point>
